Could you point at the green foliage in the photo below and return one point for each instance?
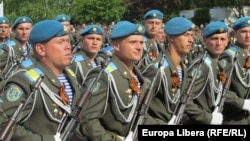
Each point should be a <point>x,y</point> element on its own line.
<point>201,16</point>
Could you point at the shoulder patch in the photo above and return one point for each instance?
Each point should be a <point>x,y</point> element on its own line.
<point>14,92</point>
<point>96,87</point>
<point>194,71</point>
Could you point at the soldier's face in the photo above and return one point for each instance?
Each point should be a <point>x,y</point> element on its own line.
<point>129,49</point>
<point>22,31</point>
<point>4,30</point>
<point>242,36</point>
<point>153,26</point>
<point>216,43</point>
<point>92,43</point>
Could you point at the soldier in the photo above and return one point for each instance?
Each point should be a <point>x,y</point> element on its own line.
<point>65,20</point>
<point>173,81</point>
<point>84,58</point>
<point>4,29</point>
<point>115,97</point>
<point>153,22</point>
<point>54,97</point>
<point>209,81</point>
<point>237,105</point>
<point>16,50</point>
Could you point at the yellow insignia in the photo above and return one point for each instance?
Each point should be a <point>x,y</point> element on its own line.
<point>248,21</point>
<point>139,29</point>
<point>94,29</point>
<point>53,80</point>
<point>154,15</point>
<point>221,29</point>
<point>128,91</point>
<point>14,92</point>
<point>24,20</point>
<point>3,21</point>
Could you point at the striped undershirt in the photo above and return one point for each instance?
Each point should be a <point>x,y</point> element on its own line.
<point>180,73</point>
<point>62,79</point>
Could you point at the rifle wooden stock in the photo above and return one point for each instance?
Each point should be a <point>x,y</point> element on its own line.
<point>227,85</point>
<point>70,121</point>
<point>8,130</point>
<point>180,107</point>
<point>139,117</point>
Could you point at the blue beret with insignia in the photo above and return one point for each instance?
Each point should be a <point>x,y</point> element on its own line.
<point>62,18</point>
<point>241,22</point>
<point>125,28</point>
<point>92,29</point>
<point>4,20</point>
<point>45,30</point>
<point>178,25</point>
<point>215,27</point>
<point>153,14</point>
<point>22,19</point>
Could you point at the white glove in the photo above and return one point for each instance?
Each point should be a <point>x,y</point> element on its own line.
<point>217,117</point>
<point>171,122</point>
<point>246,105</point>
<point>57,137</point>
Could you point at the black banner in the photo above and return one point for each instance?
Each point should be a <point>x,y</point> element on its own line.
<point>207,132</point>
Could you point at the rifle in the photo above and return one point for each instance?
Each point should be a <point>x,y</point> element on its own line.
<point>69,122</point>
<point>180,107</point>
<point>8,130</point>
<point>138,119</point>
<point>227,84</point>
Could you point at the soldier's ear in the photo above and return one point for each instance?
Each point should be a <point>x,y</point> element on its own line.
<point>40,49</point>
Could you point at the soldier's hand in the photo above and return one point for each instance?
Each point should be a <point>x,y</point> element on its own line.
<point>217,117</point>
<point>246,105</point>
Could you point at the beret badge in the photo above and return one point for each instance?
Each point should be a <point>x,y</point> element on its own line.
<point>248,22</point>
<point>24,20</point>
<point>221,29</point>
<point>139,29</point>
<point>4,21</point>
<point>65,28</point>
<point>94,29</point>
<point>154,15</point>
<point>192,26</point>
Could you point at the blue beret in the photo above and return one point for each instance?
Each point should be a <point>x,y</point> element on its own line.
<point>62,18</point>
<point>46,30</point>
<point>124,29</point>
<point>178,25</point>
<point>215,27</point>
<point>22,19</point>
<point>153,14</point>
<point>241,22</point>
<point>4,20</point>
<point>92,29</point>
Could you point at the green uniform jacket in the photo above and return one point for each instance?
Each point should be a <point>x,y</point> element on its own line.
<point>165,101</point>
<point>81,65</point>
<point>108,114</point>
<point>206,89</point>
<point>233,113</point>
<point>43,114</point>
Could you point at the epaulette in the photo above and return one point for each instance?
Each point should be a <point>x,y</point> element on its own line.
<point>78,58</point>
<point>10,43</point>
<point>108,49</point>
<point>26,63</point>
<point>70,72</point>
<point>33,74</point>
<point>164,65</point>
<point>208,61</point>
<point>231,51</point>
<point>110,68</point>
<point>145,38</point>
